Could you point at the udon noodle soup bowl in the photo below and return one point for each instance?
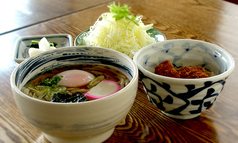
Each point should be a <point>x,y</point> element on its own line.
<point>183,98</point>
<point>91,121</point>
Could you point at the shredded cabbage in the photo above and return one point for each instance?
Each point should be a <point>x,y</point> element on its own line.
<point>122,35</point>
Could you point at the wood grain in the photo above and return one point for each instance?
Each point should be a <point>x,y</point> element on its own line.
<point>23,13</point>
<point>214,21</point>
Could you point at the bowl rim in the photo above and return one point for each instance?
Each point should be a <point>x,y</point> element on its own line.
<point>134,78</point>
<point>171,79</point>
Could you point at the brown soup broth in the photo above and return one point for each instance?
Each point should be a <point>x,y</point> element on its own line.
<point>109,73</point>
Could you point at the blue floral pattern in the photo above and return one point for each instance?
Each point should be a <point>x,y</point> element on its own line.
<point>152,87</point>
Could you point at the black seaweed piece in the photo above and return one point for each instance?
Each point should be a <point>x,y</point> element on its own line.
<point>66,98</point>
<point>34,45</point>
<point>53,44</point>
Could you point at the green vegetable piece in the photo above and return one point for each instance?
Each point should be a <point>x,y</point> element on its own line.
<point>34,44</point>
<point>53,44</point>
<point>53,82</point>
<point>96,81</point>
<point>121,12</point>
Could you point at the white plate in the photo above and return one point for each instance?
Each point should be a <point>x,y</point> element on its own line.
<point>152,32</point>
<point>22,44</point>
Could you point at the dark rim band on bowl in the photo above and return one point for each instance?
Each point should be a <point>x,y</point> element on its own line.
<point>26,62</point>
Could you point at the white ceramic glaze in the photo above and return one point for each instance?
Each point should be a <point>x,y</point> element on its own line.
<point>75,122</point>
<point>183,98</point>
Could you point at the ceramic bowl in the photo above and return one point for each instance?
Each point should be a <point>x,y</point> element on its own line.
<point>91,121</point>
<point>183,98</point>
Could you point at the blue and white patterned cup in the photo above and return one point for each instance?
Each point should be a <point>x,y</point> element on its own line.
<point>183,98</point>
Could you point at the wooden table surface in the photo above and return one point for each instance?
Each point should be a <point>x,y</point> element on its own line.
<point>214,21</point>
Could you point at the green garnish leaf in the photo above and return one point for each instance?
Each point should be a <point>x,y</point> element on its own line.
<point>121,12</point>
<point>53,82</point>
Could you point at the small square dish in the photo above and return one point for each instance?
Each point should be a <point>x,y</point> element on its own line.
<point>22,44</point>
